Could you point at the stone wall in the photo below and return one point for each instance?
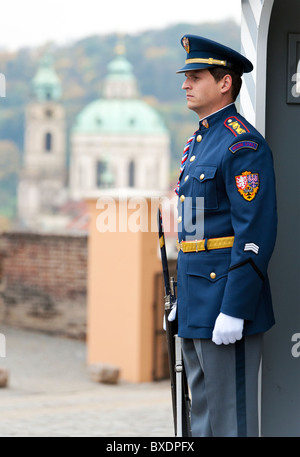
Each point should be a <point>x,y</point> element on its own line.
<point>44,283</point>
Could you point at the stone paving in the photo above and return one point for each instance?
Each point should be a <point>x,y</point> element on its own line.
<point>50,394</point>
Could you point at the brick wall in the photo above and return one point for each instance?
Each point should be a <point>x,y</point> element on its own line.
<point>43,283</point>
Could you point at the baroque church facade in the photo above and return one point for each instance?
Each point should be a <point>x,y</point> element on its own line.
<point>117,141</point>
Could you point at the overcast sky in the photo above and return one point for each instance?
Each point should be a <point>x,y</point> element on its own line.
<point>34,22</point>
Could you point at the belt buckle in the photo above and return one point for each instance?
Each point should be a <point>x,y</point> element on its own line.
<point>179,246</point>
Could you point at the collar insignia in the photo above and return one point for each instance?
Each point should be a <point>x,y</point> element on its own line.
<point>205,123</point>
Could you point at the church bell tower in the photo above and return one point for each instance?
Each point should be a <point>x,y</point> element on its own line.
<point>42,185</point>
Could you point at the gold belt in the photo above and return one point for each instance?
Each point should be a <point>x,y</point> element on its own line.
<point>205,245</point>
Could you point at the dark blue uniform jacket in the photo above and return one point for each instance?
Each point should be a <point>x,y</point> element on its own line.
<point>230,165</point>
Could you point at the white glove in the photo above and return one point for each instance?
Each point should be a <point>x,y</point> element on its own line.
<point>227,329</point>
<point>172,315</point>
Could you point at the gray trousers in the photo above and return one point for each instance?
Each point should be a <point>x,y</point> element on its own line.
<point>223,382</point>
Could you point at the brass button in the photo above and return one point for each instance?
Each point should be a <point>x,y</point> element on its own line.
<point>192,158</point>
<point>199,138</point>
<point>186,178</point>
<point>182,198</point>
<point>179,219</point>
<point>202,176</point>
<point>213,275</point>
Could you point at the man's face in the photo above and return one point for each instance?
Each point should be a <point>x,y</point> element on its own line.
<point>203,93</point>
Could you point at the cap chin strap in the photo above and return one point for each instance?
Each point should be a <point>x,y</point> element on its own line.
<point>211,61</point>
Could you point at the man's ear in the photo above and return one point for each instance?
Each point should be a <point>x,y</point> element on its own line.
<point>226,84</point>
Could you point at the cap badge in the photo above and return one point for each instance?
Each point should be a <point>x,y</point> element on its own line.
<point>186,44</point>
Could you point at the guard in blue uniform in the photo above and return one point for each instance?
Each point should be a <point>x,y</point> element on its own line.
<point>226,234</point>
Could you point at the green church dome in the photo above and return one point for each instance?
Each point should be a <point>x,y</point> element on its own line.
<point>119,116</point>
<point>120,110</point>
<point>120,68</point>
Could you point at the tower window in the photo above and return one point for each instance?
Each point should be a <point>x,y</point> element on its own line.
<point>48,142</point>
<point>131,173</point>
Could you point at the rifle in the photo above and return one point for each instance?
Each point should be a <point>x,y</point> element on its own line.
<point>179,387</point>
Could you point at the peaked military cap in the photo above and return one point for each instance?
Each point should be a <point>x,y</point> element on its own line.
<point>205,53</point>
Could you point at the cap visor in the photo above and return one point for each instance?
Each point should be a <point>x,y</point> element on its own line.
<point>195,66</point>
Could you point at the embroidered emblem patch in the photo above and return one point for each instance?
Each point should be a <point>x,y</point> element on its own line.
<point>243,145</point>
<point>247,184</point>
<point>235,125</point>
<point>186,44</point>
